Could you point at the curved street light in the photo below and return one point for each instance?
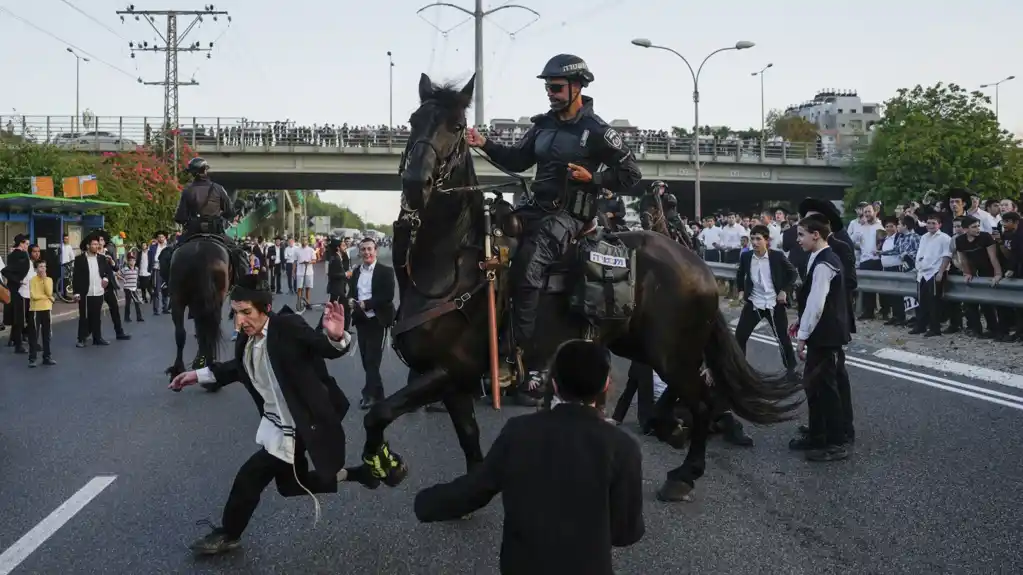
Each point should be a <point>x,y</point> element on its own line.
<point>740,45</point>
<point>763,113</point>
<point>78,70</point>
<point>995,85</point>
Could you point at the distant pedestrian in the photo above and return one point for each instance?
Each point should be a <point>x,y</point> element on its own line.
<point>130,284</point>
<point>40,306</point>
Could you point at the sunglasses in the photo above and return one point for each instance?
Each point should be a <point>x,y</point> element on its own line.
<point>555,88</point>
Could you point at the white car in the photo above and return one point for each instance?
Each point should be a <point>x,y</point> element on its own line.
<point>99,141</point>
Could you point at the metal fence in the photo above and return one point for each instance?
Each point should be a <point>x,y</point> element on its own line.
<point>125,133</point>
<point>1008,293</point>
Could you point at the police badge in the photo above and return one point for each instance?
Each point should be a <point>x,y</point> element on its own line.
<point>613,138</point>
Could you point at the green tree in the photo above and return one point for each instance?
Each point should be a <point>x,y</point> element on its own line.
<point>795,129</point>
<point>937,138</point>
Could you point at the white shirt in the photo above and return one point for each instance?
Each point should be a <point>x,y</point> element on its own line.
<point>23,289</point>
<point>764,296</point>
<point>144,263</point>
<point>67,254</point>
<point>304,257</point>
<point>290,254</point>
<point>865,239</point>
<point>987,221</point>
<point>890,261</point>
<point>731,236</point>
<point>276,431</point>
<point>95,280</point>
<point>156,256</point>
<point>933,249</point>
<point>710,236</point>
<point>365,286</point>
<point>819,289</point>
<point>776,239</point>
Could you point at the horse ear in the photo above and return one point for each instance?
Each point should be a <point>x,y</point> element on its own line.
<point>468,89</point>
<point>425,87</point>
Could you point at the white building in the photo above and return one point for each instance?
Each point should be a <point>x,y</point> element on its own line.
<point>842,118</point>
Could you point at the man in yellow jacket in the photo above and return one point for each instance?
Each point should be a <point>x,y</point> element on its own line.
<point>40,289</point>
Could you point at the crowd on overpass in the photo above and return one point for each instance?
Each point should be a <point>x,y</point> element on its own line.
<point>979,240</point>
<point>644,141</point>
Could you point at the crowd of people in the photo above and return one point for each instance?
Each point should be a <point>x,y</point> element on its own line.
<point>960,235</point>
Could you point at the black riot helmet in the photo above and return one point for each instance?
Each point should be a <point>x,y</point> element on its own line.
<point>670,200</point>
<point>658,186</point>
<point>567,66</point>
<point>198,166</point>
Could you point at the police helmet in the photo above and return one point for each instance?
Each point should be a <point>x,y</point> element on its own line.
<point>569,67</point>
<point>658,185</point>
<point>670,200</point>
<point>197,166</point>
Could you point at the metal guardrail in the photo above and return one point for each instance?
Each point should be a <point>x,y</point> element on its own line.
<point>125,133</point>
<point>1008,293</point>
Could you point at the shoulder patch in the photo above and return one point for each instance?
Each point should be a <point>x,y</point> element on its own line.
<point>614,139</point>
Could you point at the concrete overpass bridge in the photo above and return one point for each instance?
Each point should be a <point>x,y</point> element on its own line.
<point>261,155</point>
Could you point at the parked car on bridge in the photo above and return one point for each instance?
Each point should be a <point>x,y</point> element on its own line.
<point>99,141</point>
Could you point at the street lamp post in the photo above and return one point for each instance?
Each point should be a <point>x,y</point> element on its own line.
<point>390,99</point>
<point>996,85</point>
<point>78,75</point>
<point>741,45</point>
<point>763,115</point>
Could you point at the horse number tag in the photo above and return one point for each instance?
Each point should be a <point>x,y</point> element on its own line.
<point>614,139</point>
<point>606,260</point>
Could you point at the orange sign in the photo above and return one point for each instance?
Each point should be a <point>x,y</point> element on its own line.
<point>42,186</point>
<point>71,189</point>
<point>80,186</point>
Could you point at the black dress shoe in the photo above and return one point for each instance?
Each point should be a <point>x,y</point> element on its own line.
<point>100,341</point>
<point>123,337</point>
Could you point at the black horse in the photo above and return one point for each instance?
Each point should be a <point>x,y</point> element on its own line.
<point>442,328</point>
<point>200,273</point>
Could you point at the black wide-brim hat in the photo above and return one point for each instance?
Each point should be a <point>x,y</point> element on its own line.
<point>777,209</point>
<point>958,193</point>
<point>823,207</point>
<point>247,288</point>
<point>100,233</point>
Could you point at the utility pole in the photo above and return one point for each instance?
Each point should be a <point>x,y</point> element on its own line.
<point>478,16</point>
<point>172,46</point>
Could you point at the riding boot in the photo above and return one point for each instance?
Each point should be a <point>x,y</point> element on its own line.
<point>524,309</point>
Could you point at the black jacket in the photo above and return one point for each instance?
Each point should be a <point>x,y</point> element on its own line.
<point>783,273</point>
<point>571,485</point>
<point>17,267</point>
<point>315,401</point>
<point>551,144</point>
<point>833,327</point>
<point>194,196</point>
<point>336,280</point>
<point>613,205</point>
<point>382,301</point>
<point>80,273</point>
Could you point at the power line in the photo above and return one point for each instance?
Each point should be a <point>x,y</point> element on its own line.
<point>91,17</point>
<point>69,44</point>
<point>172,47</point>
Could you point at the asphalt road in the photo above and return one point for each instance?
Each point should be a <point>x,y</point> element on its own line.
<point>934,485</point>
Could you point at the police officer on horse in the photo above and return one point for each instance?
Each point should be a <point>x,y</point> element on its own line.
<point>611,211</point>
<point>202,209</point>
<point>667,205</point>
<point>568,145</point>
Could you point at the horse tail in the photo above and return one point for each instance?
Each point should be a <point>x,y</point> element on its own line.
<point>753,396</point>
<point>206,306</point>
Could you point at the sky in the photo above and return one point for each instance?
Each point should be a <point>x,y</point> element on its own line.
<point>322,61</point>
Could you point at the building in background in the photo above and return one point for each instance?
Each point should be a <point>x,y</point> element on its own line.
<point>842,118</point>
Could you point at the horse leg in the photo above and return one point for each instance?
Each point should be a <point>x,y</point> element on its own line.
<point>178,316</point>
<point>463,416</point>
<point>383,464</point>
<point>680,482</point>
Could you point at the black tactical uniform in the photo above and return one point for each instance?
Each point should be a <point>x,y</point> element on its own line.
<point>551,144</point>
<point>611,203</point>
<point>202,209</point>
<point>669,207</point>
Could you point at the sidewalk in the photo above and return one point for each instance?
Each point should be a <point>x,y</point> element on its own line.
<point>66,311</point>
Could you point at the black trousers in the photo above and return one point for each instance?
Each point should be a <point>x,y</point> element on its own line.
<point>750,318</point>
<point>370,335</point>
<point>38,328</point>
<point>275,278</point>
<point>115,311</point>
<point>641,381</point>
<point>256,474</point>
<point>19,308</point>
<point>90,315</point>
<point>895,303</point>
<point>870,299</point>
<point>289,269</point>
<point>128,301</point>
<point>827,396</point>
<point>929,312</point>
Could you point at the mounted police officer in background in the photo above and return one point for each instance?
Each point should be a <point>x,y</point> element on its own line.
<point>611,211</point>
<point>568,145</point>
<point>203,209</point>
<point>667,204</point>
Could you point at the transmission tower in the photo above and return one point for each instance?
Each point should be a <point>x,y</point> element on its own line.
<point>172,46</point>
<point>478,15</point>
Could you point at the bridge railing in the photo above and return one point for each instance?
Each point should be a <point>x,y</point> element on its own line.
<point>126,133</point>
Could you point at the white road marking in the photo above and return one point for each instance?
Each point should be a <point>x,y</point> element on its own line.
<point>947,366</point>
<point>22,548</point>
<point>965,389</point>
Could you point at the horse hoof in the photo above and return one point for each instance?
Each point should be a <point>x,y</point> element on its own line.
<point>673,491</point>
<point>396,474</point>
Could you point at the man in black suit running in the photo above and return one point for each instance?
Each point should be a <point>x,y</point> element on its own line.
<point>372,305</point>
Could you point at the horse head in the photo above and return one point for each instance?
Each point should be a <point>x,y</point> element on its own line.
<point>436,146</point>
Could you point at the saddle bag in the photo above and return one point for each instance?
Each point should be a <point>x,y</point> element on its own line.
<point>604,289</point>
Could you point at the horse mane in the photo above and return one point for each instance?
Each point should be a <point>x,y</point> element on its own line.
<point>658,223</point>
<point>448,96</point>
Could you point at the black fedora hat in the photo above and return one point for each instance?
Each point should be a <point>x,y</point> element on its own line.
<point>823,207</point>
<point>958,193</point>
